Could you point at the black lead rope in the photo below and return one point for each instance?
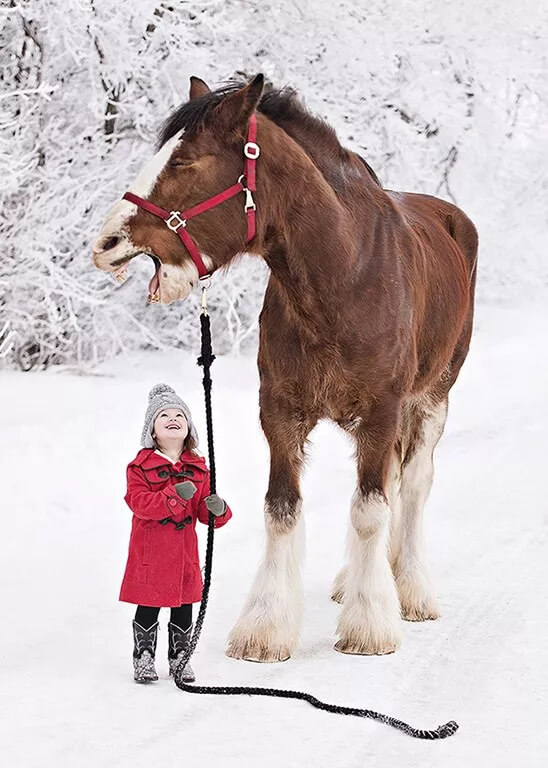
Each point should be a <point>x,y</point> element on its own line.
<point>441,732</point>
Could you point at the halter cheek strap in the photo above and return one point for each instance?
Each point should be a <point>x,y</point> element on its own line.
<point>177,220</point>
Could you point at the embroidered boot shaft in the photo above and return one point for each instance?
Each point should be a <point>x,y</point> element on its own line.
<point>144,651</point>
<point>178,643</point>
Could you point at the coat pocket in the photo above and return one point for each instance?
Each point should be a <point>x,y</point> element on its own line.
<point>147,546</point>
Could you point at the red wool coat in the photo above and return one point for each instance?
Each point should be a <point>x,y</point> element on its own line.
<point>163,568</point>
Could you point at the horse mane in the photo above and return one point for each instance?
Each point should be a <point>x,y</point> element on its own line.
<point>283,107</point>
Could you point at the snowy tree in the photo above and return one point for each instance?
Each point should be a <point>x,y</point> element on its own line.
<point>442,98</point>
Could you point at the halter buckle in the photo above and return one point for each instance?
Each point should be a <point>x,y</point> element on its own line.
<point>179,221</point>
<point>249,202</point>
<point>252,150</point>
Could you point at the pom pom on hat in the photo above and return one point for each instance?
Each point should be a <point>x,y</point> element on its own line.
<point>159,389</point>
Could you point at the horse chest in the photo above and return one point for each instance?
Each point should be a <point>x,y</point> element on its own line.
<point>317,381</point>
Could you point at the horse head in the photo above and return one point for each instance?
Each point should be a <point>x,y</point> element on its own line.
<point>204,151</point>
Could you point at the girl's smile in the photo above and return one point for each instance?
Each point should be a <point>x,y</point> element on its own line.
<point>170,431</point>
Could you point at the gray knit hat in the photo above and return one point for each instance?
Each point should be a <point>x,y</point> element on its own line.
<point>163,396</point>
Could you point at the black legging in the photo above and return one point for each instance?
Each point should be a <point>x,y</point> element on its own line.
<point>147,615</point>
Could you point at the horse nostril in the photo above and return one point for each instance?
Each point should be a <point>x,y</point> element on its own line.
<point>111,243</point>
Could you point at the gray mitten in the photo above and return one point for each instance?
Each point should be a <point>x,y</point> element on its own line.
<point>215,504</point>
<point>186,489</point>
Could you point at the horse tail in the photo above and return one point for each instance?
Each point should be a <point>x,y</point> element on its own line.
<point>465,234</point>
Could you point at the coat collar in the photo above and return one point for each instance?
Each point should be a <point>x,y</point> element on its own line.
<point>149,459</point>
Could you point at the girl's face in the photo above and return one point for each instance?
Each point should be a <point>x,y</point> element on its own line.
<point>170,427</point>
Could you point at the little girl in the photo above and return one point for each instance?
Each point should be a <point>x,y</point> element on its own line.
<point>163,568</point>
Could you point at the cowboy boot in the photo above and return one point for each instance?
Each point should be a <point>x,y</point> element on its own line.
<point>144,651</point>
<point>178,643</point>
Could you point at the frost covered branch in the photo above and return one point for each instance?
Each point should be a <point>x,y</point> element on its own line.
<point>85,86</point>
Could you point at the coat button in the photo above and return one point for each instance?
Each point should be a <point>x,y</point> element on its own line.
<point>172,502</point>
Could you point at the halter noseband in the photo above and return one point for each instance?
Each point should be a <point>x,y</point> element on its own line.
<point>176,220</point>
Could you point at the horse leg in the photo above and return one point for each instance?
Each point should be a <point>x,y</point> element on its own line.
<point>417,598</point>
<point>394,502</point>
<point>337,590</point>
<point>269,625</point>
<point>370,622</point>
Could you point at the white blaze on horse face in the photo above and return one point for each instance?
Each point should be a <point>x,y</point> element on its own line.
<point>115,223</point>
<point>174,281</point>
<point>148,175</point>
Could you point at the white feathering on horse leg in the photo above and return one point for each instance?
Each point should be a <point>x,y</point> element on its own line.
<point>370,621</point>
<point>394,500</point>
<point>417,597</point>
<point>269,625</point>
<point>339,583</point>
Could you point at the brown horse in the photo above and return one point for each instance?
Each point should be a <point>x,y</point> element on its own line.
<point>366,321</point>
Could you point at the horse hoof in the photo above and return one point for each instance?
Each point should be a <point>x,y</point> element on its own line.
<point>252,652</point>
<point>359,649</point>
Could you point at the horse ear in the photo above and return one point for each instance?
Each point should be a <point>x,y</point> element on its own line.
<point>198,88</point>
<point>235,109</point>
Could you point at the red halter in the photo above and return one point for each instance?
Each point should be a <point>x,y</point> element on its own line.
<point>176,220</point>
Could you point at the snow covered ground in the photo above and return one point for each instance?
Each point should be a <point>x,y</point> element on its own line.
<point>67,693</point>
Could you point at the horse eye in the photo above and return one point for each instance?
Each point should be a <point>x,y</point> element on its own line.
<point>180,163</point>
